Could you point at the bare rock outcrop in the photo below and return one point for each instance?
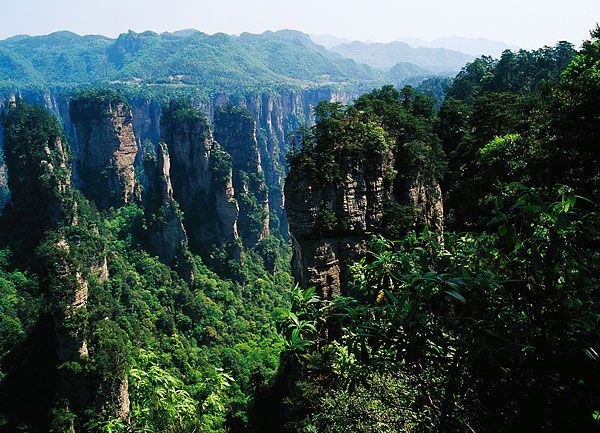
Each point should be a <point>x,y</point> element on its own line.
<point>201,177</point>
<point>167,236</point>
<point>235,130</point>
<point>107,148</point>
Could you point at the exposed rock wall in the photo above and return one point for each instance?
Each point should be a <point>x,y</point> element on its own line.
<point>167,236</point>
<point>235,130</point>
<point>201,178</point>
<point>331,222</point>
<point>107,151</point>
<point>277,113</point>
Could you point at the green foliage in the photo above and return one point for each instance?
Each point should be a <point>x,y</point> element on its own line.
<point>86,105</point>
<point>408,119</point>
<point>28,131</point>
<point>463,334</point>
<point>18,304</point>
<point>522,72</point>
<point>523,93</point>
<point>208,337</point>
<point>212,62</point>
<point>159,400</point>
<point>575,123</point>
<point>221,169</point>
<point>180,112</point>
<point>326,221</point>
<point>338,129</point>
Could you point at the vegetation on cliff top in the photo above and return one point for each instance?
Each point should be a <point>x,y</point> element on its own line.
<point>85,105</point>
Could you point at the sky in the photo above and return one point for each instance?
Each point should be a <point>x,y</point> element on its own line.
<point>524,23</point>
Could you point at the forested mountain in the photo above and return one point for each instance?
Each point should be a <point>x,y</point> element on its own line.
<point>249,248</point>
<point>400,326</point>
<point>110,318</point>
<point>188,58</point>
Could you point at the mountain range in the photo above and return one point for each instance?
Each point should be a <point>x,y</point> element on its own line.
<point>473,46</point>
<point>182,58</point>
<point>190,58</point>
<point>385,56</point>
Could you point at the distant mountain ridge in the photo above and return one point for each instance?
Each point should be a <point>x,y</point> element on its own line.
<point>194,62</point>
<point>329,41</point>
<point>386,55</point>
<point>473,46</point>
<point>186,57</point>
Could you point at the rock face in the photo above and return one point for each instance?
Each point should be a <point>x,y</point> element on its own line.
<point>201,177</point>
<point>331,222</point>
<point>277,114</point>
<point>107,148</point>
<point>43,204</point>
<point>235,130</point>
<point>167,236</point>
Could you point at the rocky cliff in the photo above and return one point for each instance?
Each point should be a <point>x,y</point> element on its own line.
<point>58,246</point>
<point>201,177</point>
<point>167,237</point>
<point>107,148</point>
<point>277,113</point>
<point>331,222</point>
<point>235,130</point>
<point>348,183</point>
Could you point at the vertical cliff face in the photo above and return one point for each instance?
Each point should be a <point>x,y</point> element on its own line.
<point>39,174</point>
<point>107,148</point>
<point>277,114</point>
<point>332,221</point>
<point>43,205</point>
<point>167,236</point>
<point>146,119</point>
<point>40,179</point>
<point>201,177</point>
<point>349,182</point>
<point>235,130</point>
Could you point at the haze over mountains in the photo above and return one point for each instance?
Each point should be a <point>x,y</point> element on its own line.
<point>386,55</point>
<point>473,46</point>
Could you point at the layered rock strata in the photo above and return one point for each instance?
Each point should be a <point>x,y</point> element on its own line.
<point>331,222</point>
<point>107,149</point>
<point>235,130</point>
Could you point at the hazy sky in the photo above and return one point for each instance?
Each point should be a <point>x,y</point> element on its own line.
<point>526,23</point>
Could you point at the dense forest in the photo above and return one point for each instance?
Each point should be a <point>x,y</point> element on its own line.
<point>439,272</point>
